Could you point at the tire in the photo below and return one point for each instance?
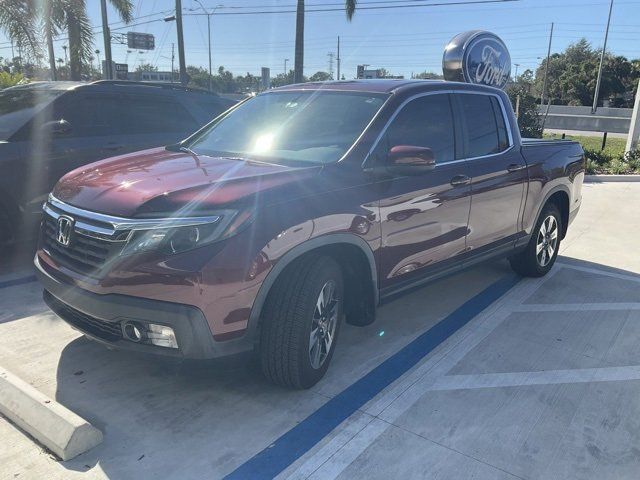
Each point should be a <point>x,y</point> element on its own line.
<point>540,254</point>
<point>290,312</point>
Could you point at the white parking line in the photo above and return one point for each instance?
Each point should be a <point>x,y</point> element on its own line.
<point>547,377</point>
<point>575,307</point>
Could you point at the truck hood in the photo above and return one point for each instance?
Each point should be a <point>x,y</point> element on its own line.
<point>158,181</point>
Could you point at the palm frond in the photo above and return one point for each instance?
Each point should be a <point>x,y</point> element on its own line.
<point>350,8</point>
<point>80,35</point>
<point>18,21</point>
<point>124,9</point>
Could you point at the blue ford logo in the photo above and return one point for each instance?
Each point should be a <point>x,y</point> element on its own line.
<point>477,57</point>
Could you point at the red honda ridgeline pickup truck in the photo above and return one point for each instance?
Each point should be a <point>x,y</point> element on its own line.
<point>299,208</point>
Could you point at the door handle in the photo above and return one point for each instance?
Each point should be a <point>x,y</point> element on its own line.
<point>460,180</point>
<point>515,167</point>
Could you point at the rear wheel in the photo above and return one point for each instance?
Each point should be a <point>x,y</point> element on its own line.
<point>541,252</point>
<point>301,321</point>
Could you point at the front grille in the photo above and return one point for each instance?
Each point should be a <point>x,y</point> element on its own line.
<point>85,253</point>
<point>110,331</point>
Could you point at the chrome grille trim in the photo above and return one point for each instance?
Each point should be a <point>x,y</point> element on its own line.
<point>113,224</point>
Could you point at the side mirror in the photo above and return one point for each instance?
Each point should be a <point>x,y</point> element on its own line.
<point>410,160</point>
<point>56,128</point>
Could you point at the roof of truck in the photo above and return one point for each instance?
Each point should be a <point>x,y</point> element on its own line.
<point>383,85</point>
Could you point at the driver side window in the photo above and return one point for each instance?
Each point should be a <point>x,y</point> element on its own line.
<point>425,122</point>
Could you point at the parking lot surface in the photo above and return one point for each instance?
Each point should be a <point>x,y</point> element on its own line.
<point>542,383</point>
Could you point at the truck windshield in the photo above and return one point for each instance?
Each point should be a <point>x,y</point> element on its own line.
<point>294,126</point>
<point>18,106</point>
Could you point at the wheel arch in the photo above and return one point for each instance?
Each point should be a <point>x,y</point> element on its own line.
<point>558,195</point>
<point>335,245</point>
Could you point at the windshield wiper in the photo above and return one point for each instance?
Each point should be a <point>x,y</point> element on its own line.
<point>176,147</point>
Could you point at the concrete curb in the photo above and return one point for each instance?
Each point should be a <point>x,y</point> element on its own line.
<point>611,178</point>
<point>56,427</point>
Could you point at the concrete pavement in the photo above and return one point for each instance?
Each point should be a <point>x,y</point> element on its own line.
<point>542,384</point>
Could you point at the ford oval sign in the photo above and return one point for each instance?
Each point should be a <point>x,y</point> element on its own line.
<point>477,57</point>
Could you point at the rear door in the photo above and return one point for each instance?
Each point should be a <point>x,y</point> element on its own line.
<point>423,218</point>
<point>498,170</point>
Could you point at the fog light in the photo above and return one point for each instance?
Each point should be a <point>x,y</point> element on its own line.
<point>161,336</point>
<point>133,332</point>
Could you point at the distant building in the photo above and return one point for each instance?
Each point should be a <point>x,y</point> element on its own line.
<point>363,72</point>
<point>145,76</point>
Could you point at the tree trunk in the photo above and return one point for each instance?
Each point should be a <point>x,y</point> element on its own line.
<point>299,54</point>
<point>75,48</point>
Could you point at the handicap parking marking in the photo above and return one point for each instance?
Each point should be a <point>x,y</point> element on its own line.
<point>307,434</point>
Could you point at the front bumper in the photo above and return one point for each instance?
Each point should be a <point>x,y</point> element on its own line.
<point>99,317</point>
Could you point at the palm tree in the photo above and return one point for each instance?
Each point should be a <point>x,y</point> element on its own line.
<point>18,21</point>
<point>349,7</point>
<point>22,20</point>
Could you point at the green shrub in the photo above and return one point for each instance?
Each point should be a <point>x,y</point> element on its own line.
<point>605,163</point>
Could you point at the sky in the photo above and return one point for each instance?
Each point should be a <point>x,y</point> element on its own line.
<point>404,40</point>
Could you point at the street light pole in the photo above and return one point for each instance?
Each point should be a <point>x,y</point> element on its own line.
<point>604,48</point>
<point>209,15</point>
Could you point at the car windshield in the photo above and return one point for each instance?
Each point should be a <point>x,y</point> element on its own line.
<point>17,106</point>
<point>294,126</point>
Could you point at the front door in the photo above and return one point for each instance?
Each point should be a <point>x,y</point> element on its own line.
<point>423,217</point>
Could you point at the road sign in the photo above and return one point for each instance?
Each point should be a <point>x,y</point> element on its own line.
<point>122,71</point>
<point>140,41</point>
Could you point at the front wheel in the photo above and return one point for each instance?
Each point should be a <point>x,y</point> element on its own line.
<point>541,252</point>
<point>301,321</point>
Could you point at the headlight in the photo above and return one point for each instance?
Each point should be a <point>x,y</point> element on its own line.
<point>171,239</point>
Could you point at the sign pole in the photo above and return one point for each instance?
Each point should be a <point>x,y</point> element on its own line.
<point>634,129</point>
<point>108,65</point>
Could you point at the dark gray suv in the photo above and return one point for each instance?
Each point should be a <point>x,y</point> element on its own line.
<point>50,128</point>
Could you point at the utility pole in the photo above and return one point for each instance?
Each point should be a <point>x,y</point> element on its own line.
<point>604,49</point>
<point>108,70</point>
<point>546,68</point>
<point>338,59</point>
<point>181,59</point>
<point>299,51</point>
<point>330,55</point>
<point>515,78</point>
<point>173,56</point>
<point>285,66</point>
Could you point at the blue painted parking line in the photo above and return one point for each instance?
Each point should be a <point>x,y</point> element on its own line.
<point>18,281</point>
<point>300,439</point>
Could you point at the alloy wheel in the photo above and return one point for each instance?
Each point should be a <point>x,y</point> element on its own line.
<point>547,241</point>
<point>323,325</point>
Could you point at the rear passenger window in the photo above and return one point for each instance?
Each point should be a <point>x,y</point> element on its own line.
<point>149,114</point>
<point>503,137</point>
<point>485,130</point>
<point>425,122</point>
